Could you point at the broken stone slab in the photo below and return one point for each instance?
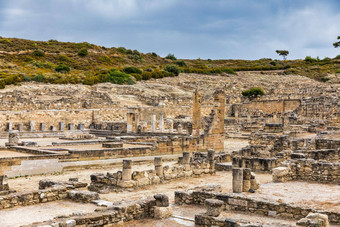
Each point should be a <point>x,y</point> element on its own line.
<point>102,203</point>
<point>83,196</point>
<point>214,207</point>
<point>314,220</point>
<point>161,200</point>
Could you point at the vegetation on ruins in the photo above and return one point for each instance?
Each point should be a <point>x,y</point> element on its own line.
<point>337,44</point>
<point>253,92</point>
<point>66,62</point>
<point>283,53</point>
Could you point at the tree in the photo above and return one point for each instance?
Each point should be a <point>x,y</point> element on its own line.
<point>283,53</point>
<point>337,44</point>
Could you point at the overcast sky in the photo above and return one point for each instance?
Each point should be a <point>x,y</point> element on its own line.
<point>216,29</point>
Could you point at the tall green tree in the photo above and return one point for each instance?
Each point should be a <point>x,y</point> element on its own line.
<point>283,53</point>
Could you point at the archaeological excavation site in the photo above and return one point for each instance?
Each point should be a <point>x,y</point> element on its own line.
<point>189,150</point>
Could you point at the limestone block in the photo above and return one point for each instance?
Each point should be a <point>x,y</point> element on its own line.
<point>214,207</point>
<point>161,200</point>
<point>83,196</point>
<point>237,180</point>
<point>163,212</point>
<point>280,174</point>
<point>127,184</point>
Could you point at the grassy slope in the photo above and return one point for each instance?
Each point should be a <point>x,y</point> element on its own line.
<point>18,58</point>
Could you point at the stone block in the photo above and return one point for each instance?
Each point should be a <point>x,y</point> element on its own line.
<point>163,212</point>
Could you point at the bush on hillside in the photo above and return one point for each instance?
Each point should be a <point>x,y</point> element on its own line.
<point>117,77</point>
<point>38,53</point>
<point>172,69</point>
<point>83,52</point>
<point>62,68</point>
<point>253,92</point>
<point>171,57</point>
<point>132,69</point>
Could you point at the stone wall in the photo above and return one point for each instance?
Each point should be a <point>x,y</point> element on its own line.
<point>248,204</point>
<point>308,170</point>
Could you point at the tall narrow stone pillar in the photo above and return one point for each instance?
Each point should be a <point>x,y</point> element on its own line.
<point>186,160</point>
<point>180,129</point>
<point>237,180</point>
<point>129,121</point>
<point>246,179</point>
<point>171,126</point>
<point>161,122</point>
<point>153,122</point>
<point>13,138</point>
<point>127,170</point>
<point>42,127</point>
<point>61,126</point>
<point>3,183</point>
<point>31,127</point>
<point>196,113</point>
<point>9,126</point>
<point>211,160</point>
<point>158,162</point>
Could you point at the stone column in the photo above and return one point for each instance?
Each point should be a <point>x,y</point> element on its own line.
<point>127,170</point>
<point>71,127</point>
<point>32,126</point>
<point>161,122</point>
<point>81,126</point>
<point>171,126</point>
<point>180,129</point>
<point>3,183</point>
<point>53,128</point>
<point>196,113</point>
<point>9,126</point>
<point>211,160</point>
<point>237,180</point>
<point>42,127</point>
<point>246,179</point>
<point>13,138</point>
<point>153,122</point>
<point>214,207</point>
<point>186,160</point>
<point>61,126</point>
<point>158,162</point>
<point>129,121</point>
<point>20,127</point>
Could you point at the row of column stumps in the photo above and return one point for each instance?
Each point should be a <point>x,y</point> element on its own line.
<point>158,163</point>
<point>42,127</point>
<point>244,180</point>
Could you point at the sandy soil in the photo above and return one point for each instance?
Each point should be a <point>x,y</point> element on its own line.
<point>231,145</point>
<point>8,154</point>
<point>42,212</point>
<point>317,196</point>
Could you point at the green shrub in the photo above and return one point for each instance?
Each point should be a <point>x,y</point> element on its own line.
<point>62,68</point>
<point>137,76</point>
<point>181,63</point>
<point>228,70</point>
<point>39,78</point>
<point>253,92</point>
<point>130,70</point>
<point>38,53</point>
<point>273,63</point>
<point>83,52</point>
<point>27,78</point>
<point>171,57</point>
<point>337,71</point>
<point>172,69</point>
<point>63,58</point>
<point>337,57</point>
<point>146,75</point>
<point>118,77</point>
<point>13,79</point>
<point>2,84</point>
<point>5,41</point>
<point>309,59</point>
<point>121,50</point>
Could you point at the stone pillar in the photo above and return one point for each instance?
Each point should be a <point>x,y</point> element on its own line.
<point>9,126</point>
<point>214,207</point>
<point>246,179</point>
<point>196,113</point>
<point>53,128</point>
<point>71,127</point>
<point>81,126</point>
<point>13,138</point>
<point>31,127</point>
<point>153,122</point>
<point>42,127</point>
<point>253,183</point>
<point>61,126</point>
<point>161,122</point>
<point>20,127</point>
<point>186,160</point>
<point>237,180</point>
<point>3,183</point>
<point>127,170</point>
<point>129,122</point>
<point>171,126</point>
<point>180,129</point>
<point>158,162</point>
<point>211,160</point>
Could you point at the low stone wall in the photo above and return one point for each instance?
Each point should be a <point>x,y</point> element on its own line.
<point>322,143</point>
<point>31,198</point>
<point>202,220</point>
<point>253,205</point>
<point>112,181</point>
<point>117,214</point>
<point>308,170</point>
<point>331,155</point>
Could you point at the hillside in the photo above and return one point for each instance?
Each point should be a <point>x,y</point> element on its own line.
<point>65,62</point>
